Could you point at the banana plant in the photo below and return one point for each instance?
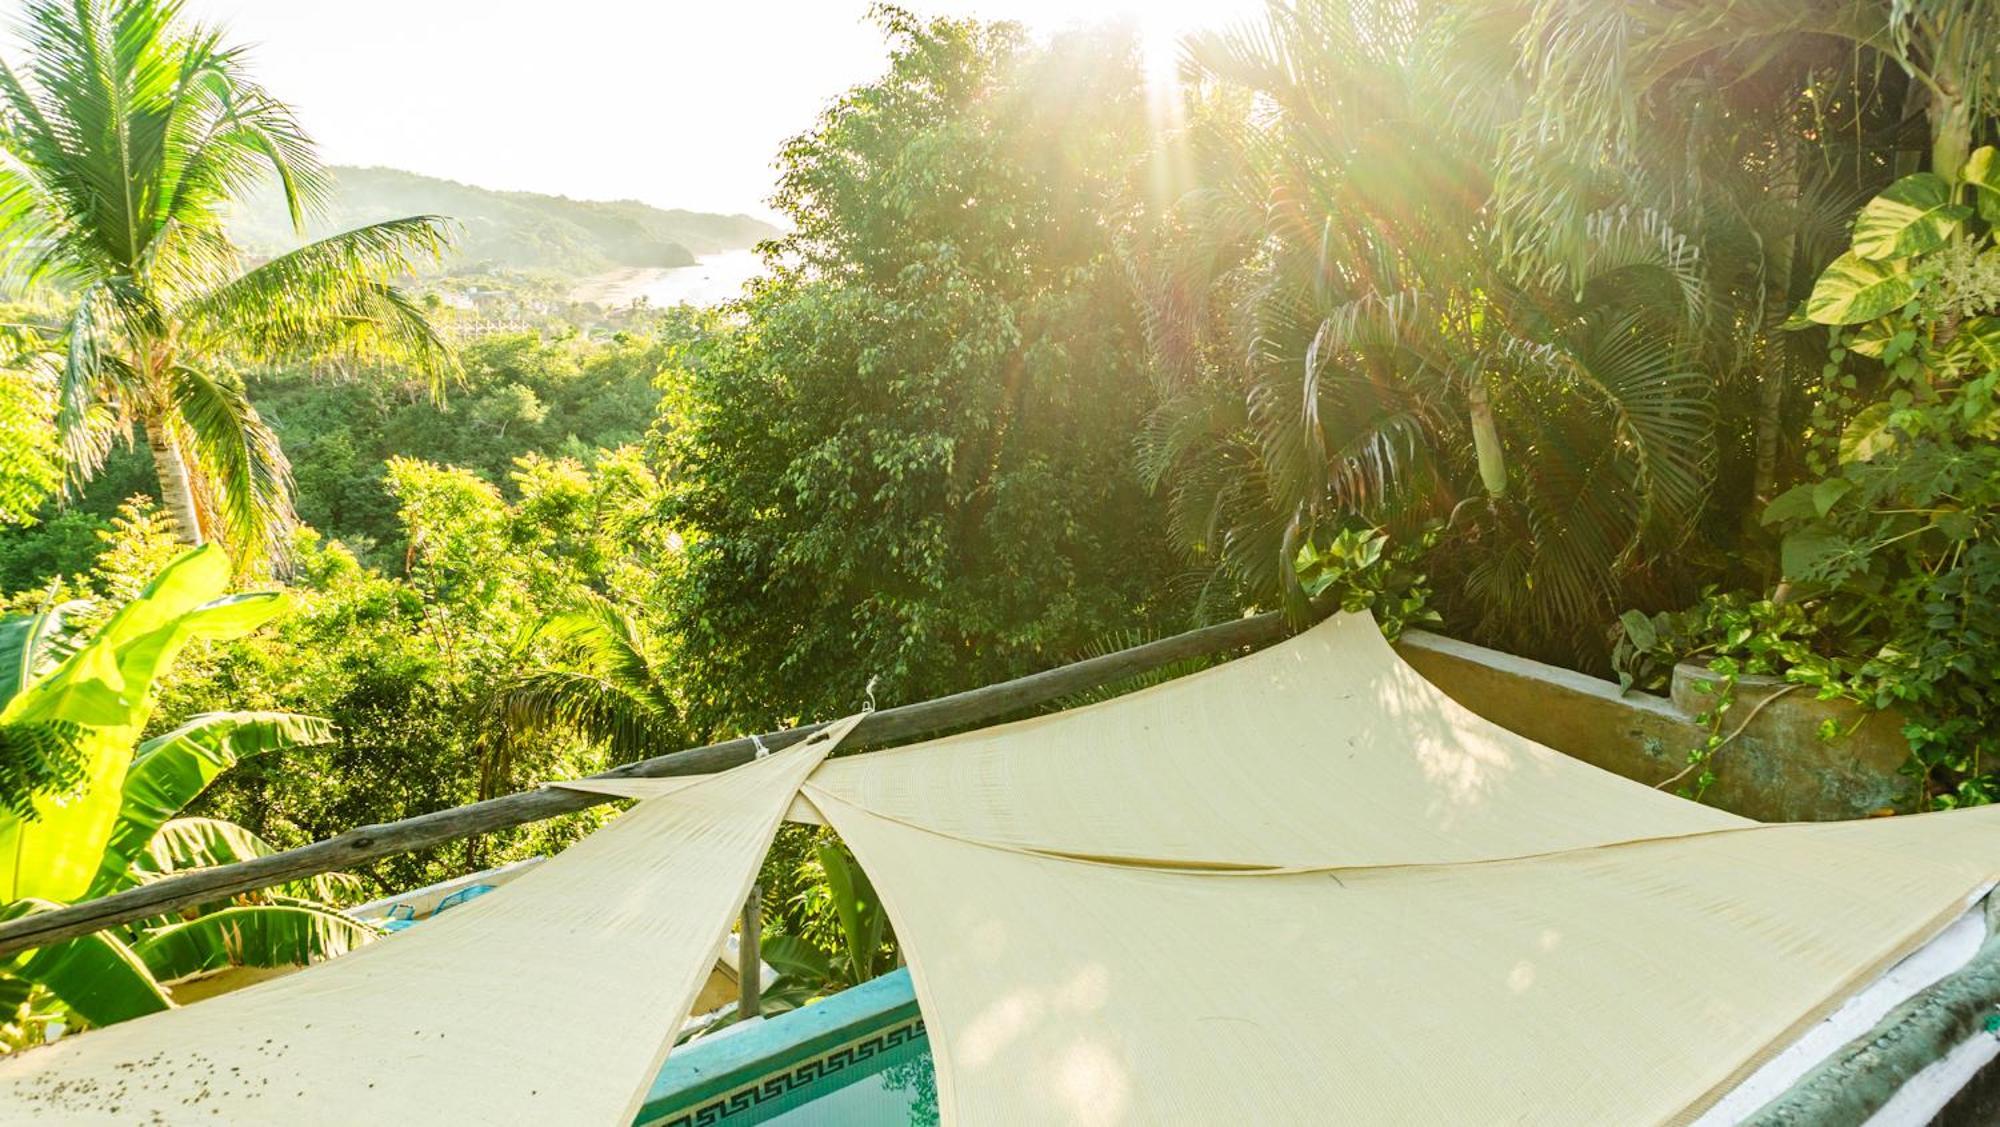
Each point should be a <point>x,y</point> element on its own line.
<point>88,809</point>
<point>804,970</point>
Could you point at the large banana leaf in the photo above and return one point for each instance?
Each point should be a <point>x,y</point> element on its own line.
<point>98,977</point>
<point>106,689</point>
<point>197,843</point>
<point>170,770</point>
<point>264,935</point>
<point>795,958</point>
<point>28,642</point>
<point>858,909</point>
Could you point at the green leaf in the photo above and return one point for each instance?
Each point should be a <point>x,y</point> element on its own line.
<point>198,843</point>
<point>99,978</point>
<point>1804,553</point>
<point>1914,215</point>
<point>1828,493</point>
<point>171,770</point>
<point>857,907</point>
<point>106,688</point>
<point>28,645</point>
<point>1853,290</point>
<point>794,957</point>
<point>1871,339</point>
<point>1866,436</point>
<point>1639,630</point>
<point>265,935</point>
<point>1795,503</point>
<point>1977,344</point>
<point>1982,171</point>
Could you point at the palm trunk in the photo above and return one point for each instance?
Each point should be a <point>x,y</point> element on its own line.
<point>1777,305</point>
<point>176,489</point>
<point>1951,128</point>
<point>1486,440</point>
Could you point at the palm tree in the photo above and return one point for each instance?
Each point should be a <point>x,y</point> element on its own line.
<point>1815,104</point>
<point>608,686</point>
<point>1337,332</point>
<point>123,139</point>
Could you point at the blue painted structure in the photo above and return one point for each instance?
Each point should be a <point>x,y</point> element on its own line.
<point>859,1056</point>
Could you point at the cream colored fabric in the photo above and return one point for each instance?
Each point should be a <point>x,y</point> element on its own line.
<point>799,811</point>
<point>1624,984</point>
<point>1326,750</point>
<point>1302,887</point>
<point>551,1000</point>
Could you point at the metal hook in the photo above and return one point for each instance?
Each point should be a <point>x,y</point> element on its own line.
<point>870,690</point>
<point>758,743</point>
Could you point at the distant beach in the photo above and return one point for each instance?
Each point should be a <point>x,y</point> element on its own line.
<point>713,278</point>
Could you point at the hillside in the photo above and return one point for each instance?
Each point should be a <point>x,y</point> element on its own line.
<point>516,230</point>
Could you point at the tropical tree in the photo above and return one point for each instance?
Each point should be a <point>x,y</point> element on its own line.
<point>607,682</point>
<point>124,136</point>
<point>91,810</point>
<point>30,458</point>
<point>1772,123</point>
<point>1337,335</point>
<point>907,456</point>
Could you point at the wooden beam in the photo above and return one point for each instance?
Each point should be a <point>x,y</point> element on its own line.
<point>886,727</point>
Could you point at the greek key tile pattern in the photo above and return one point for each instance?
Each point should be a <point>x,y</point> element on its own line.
<point>742,1105</point>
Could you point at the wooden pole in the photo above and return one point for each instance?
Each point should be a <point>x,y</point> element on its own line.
<point>882,728</point>
<point>750,958</point>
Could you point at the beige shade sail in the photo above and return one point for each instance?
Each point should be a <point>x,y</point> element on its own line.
<point>799,811</point>
<point>1326,750</point>
<point>1617,984</point>
<point>1301,887</point>
<point>551,1000</point>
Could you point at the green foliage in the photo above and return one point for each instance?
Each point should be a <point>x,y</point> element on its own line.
<point>31,464</point>
<point>841,934</point>
<point>522,394</point>
<point>608,685</point>
<point>907,455</point>
<point>105,821</point>
<point>1374,355</point>
<point>1895,541</point>
<point>1734,636</point>
<point>119,167</point>
<point>1357,570</point>
<point>418,667</point>
<point>1889,550</point>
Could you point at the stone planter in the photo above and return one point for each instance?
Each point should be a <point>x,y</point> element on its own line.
<point>1872,746</point>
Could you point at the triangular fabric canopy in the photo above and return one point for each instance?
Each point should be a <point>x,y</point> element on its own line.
<point>553,1000</point>
<point>1300,887</point>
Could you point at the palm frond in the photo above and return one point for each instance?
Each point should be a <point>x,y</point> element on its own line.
<point>245,479</point>
<point>608,686</point>
<point>334,295</point>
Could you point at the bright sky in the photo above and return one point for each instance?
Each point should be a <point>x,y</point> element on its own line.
<point>680,103</point>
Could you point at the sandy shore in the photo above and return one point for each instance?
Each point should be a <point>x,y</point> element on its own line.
<point>616,288</point>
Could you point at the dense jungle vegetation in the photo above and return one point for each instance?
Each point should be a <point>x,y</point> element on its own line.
<point>1615,333</point>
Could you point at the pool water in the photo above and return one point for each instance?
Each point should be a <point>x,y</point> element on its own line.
<point>860,1058</point>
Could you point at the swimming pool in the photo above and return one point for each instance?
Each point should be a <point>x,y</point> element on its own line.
<point>860,1057</point>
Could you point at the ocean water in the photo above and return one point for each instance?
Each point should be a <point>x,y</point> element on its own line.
<point>715,278</point>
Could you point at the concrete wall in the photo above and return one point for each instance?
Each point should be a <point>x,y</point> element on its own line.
<point>1776,771</point>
